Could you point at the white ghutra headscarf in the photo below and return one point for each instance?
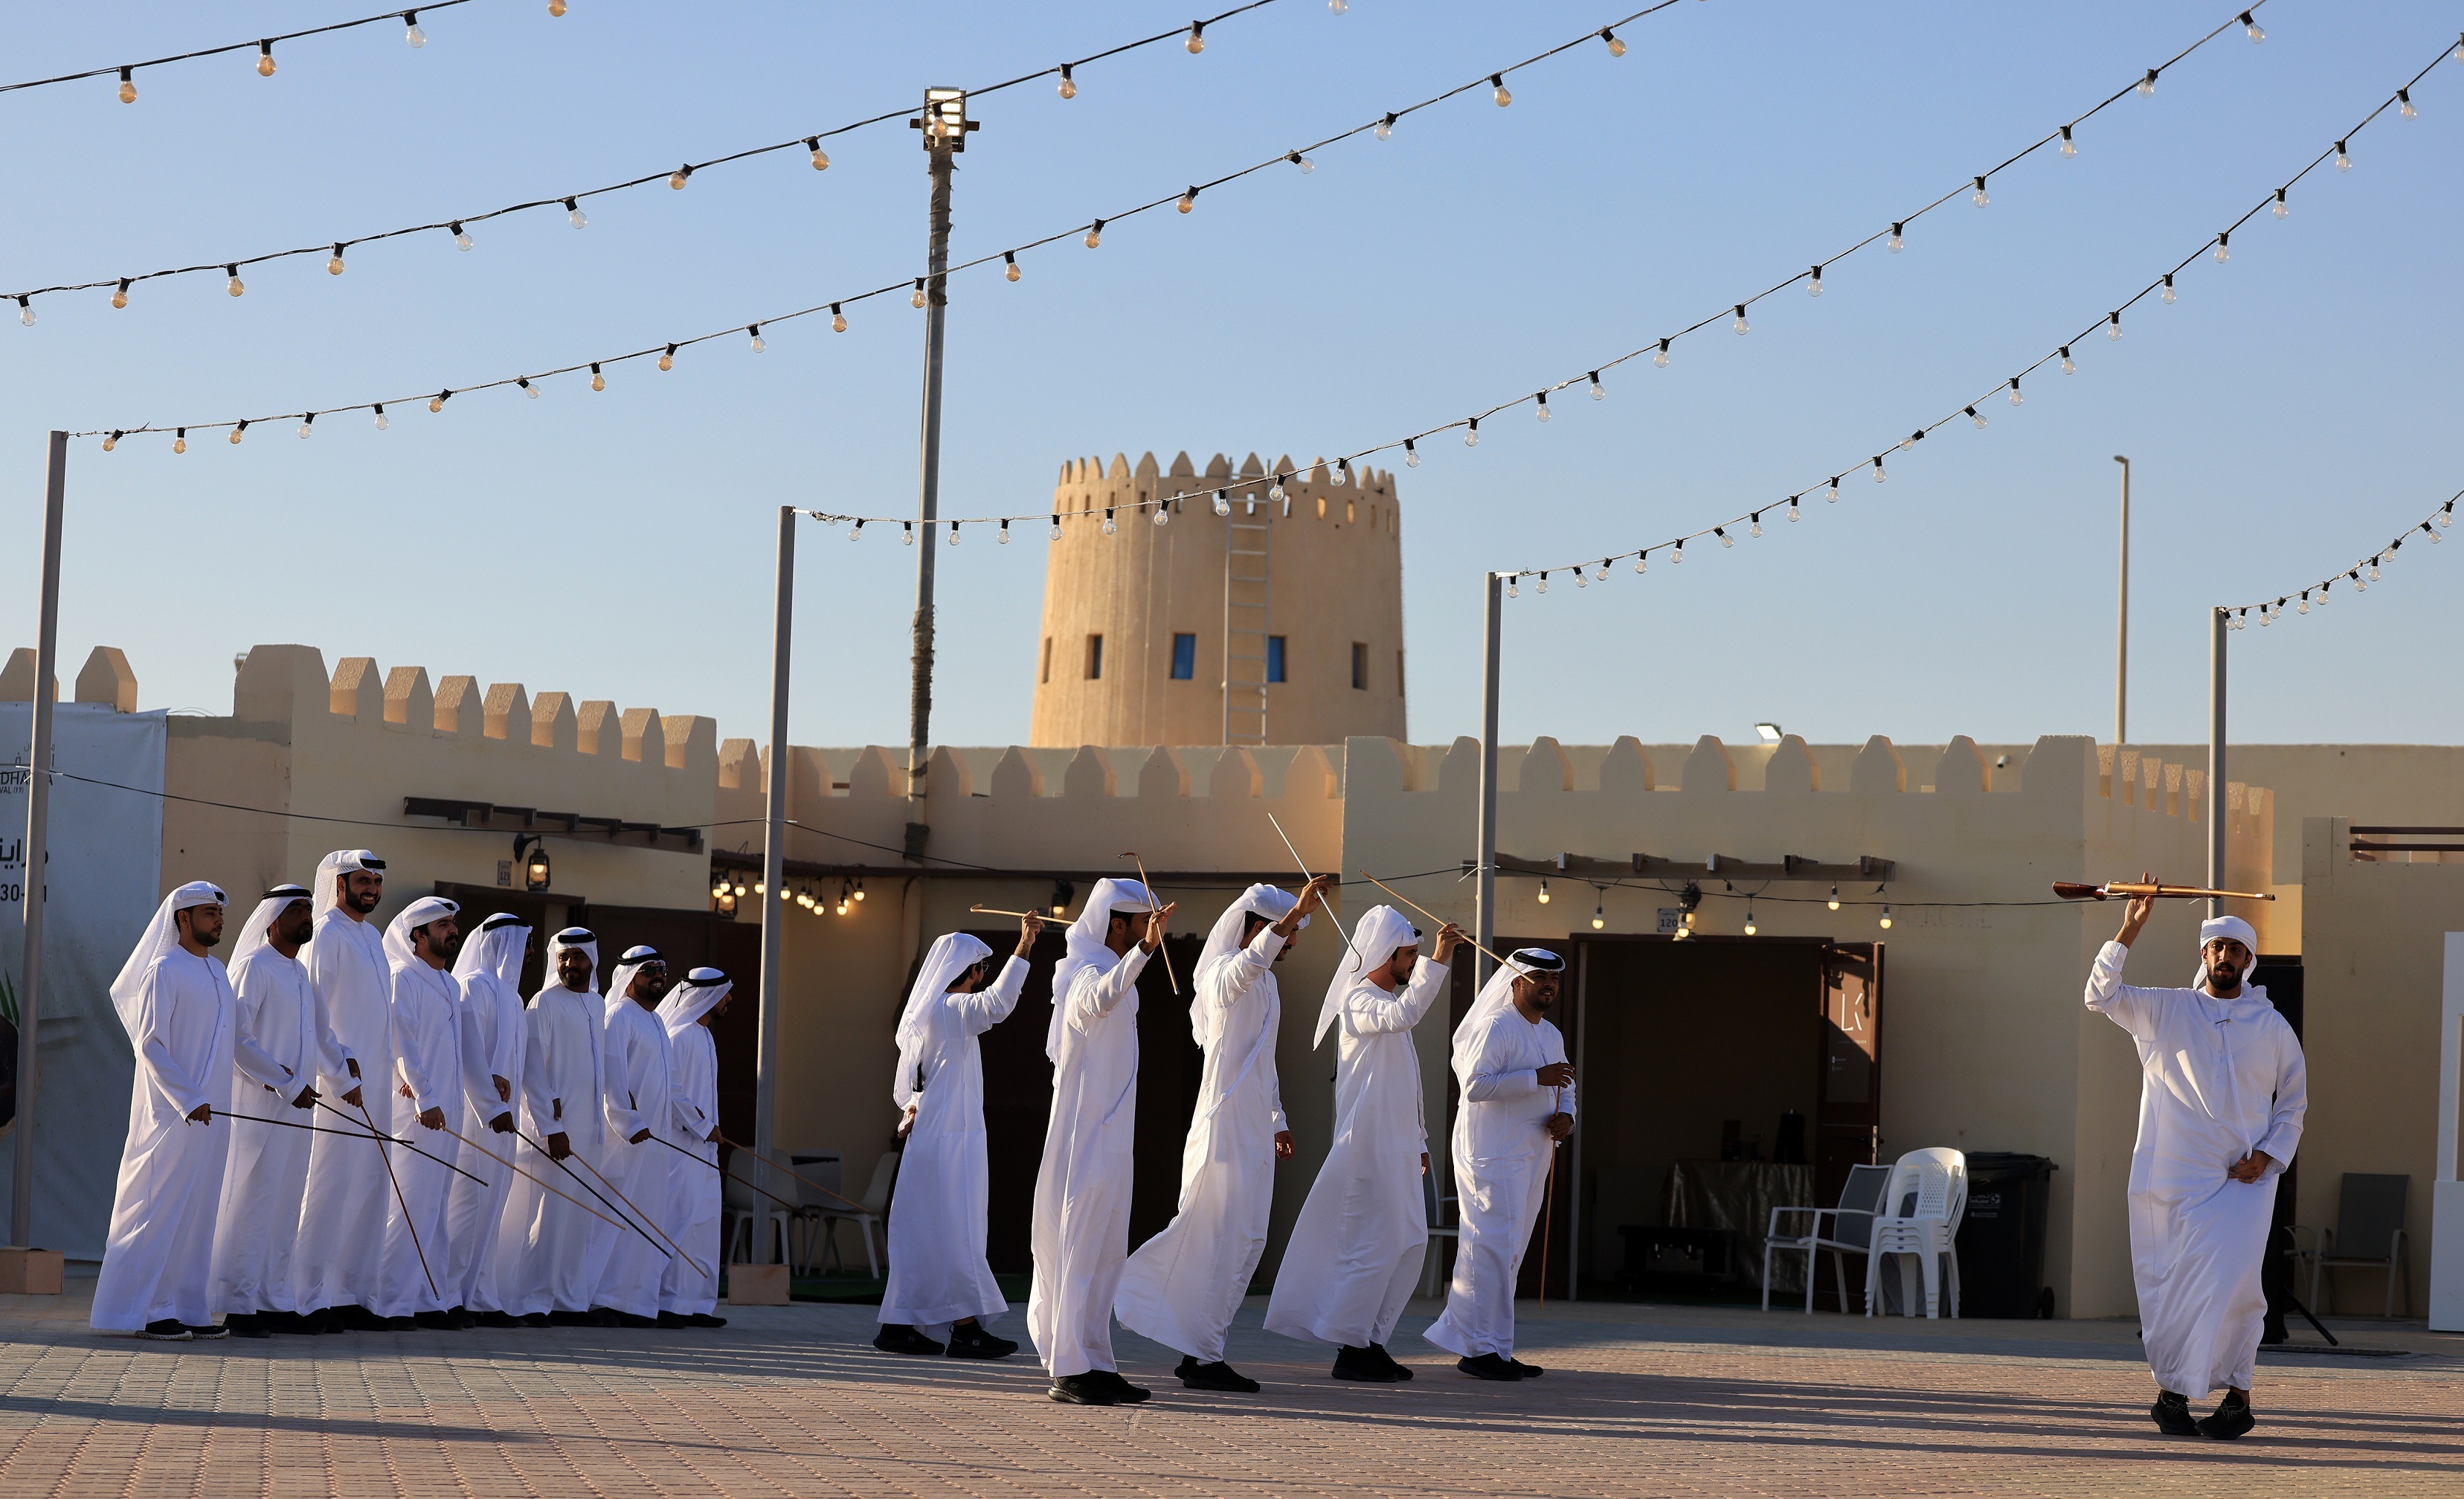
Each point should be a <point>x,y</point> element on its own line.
<point>398,946</point>
<point>580,940</point>
<point>498,948</point>
<point>260,921</point>
<point>1266,901</point>
<point>1497,994</point>
<point>1085,939</point>
<point>952,953</point>
<point>690,1000</point>
<point>161,934</point>
<point>1382,929</point>
<point>332,867</point>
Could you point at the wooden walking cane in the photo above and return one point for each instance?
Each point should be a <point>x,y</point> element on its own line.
<point>1166,953</point>
<point>1548,1202</point>
<point>674,1247</point>
<point>401,1201</point>
<point>358,1132</point>
<point>584,1185</point>
<point>518,1171</point>
<point>321,1129</point>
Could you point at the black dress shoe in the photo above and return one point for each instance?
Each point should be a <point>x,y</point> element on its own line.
<point>207,1332</point>
<point>247,1324</point>
<point>410,1324</point>
<point>706,1319</point>
<point>463,1320</point>
<point>2232,1418</point>
<point>673,1319</point>
<point>167,1330</point>
<point>538,1319</point>
<point>435,1321</point>
<point>1215,1376</point>
<point>1488,1366</point>
<point>631,1319</point>
<point>1083,1389</point>
<point>971,1342</point>
<point>563,1319</point>
<point>1522,1370</point>
<point>1393,1370</point>
<point>1123,1390</point>
<point>606,1316</point>
<point>498,1320</point>
<point>2171,1413</point>
<point>1364,1365</point>
<point>897,1338</point>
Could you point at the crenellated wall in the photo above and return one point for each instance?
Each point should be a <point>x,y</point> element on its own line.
<point>1334,579</point>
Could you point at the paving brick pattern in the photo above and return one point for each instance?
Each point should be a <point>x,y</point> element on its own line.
<point>1639,1401</point>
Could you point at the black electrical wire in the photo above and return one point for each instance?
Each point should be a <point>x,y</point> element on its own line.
<point>261,42</point>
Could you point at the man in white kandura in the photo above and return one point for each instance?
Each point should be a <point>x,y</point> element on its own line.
<point>1518,1102</point>
<point>639,1104</point>
<point>2220,1109</point>
<point>488,973</point>
<point>1082,1195</point>
<point>1182,1285</point>
<point>413,1285</point>
<point>176,1006</point>
<point>257,1229</point>
<point>549,1252</point>
<point>689,1291</point>
<point>343,1211</point>
<point>1355,1250</point>
<point>938,1274</point>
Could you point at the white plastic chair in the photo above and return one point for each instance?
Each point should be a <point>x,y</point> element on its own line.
<point>741,1207</point>
<point>1919,1217</point>
<point>877,1206</point>
<point>1852,1229</point>
<point>822,1169</point>
<point>1438,1228</point>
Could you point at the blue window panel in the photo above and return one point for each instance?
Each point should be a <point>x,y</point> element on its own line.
<point>1274,658</point>
<point>1184,657</point>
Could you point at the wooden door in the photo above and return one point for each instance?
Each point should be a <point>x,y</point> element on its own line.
<point>1848,1118</point>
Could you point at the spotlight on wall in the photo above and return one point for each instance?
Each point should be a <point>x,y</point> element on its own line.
<point>1769,731</point>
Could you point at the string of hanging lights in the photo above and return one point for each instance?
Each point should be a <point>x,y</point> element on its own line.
<point>2218,247</point>
<point>458,225</point>
<point>412,34</point>
<point>1160,506</point>
<point>2361,574</point>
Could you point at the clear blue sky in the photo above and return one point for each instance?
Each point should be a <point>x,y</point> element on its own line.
<point>2295,409</point>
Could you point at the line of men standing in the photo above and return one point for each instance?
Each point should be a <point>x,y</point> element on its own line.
<point>355,1130</point>
<point>1358,1248</point>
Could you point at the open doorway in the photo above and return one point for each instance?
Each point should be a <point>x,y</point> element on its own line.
<point>1720,1077</point>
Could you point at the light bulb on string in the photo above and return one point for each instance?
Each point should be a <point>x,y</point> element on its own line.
<point>1069,84</point>
<point>128,84</point>
<point>1617,46</point>
<point>1471,432</point>
<point>1726,539</point>
<point>1582,578</point>
<point>110,440</point>
<point>2283,210</point>
<point>1600,912</point>
<point>234,286</point>
<point>1911,440</point>
<point>1094,233</point>
<point>1162,514</point>
<point>1004,537</point>
<point>1342,473</point>
<point>1275,489</point>
<point>2404,104</point>
<point>1222,503</point>
<point>1756,521</point>
<point>1813,283</point>
<point>334,262</point>
<point>1337,6</point>
<point>1411,454</point>
<point>1543,398</point>
<point>461,238</point>
<point>838,318</point>
<point>574,215</point>
<point>1386,128</point>
<point>1879,476</point>
<point>917,301</point>
<point>681,176</point>
<point>1306,165</point>
<point>1791,509</point>
<point>120,294</point>
<point>2223,247</point>
<point>1676,554</point>
<point>2343,157</point>
<point>1109,529</point>
<point>308,425</point>
<point>527,389</point>
<point>598,381</point>
<point>2147,85</point>
<point>1642,564</point>
<point>1544,893</point>
<point>1196,42</point>
<point>180,441</point>
<point>857,533</point>
<point>411,35</point>
<point>1978,197</point>
<point>1832,493</point>
<point>2446,517</point>
<point>1899,240</point>
<point>1751,927</point>
<point>265,60</point>
<point>2359,586</point>
<point>1544,583</point>
<point>382,422</point>
<point>1511,590</point>
<point>1835,898</point>
<point>2113,326</point>
<point>238,431</point>
<point>26,311</point>
<point>2016,399</point>
<point>2070,366</point>
<point>1976,416</point>
<point>907,533</point>
<point>1660,359</point>
<point>668,359</point>
<point>1885,922</point>
<point>2251,28</point>
<point>1497,82</point>
<point>1055,533</point>
<point>2304,607</point>
<point>2069,148</point>
<point>1009,264</point>
<point>2170,298</point>
<point>953,533</point>
<point>1740,323</point>
<point>1599,392</point>
<point>436,402</point>
<point>556,7</point>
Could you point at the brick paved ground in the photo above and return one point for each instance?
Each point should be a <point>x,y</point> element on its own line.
<point>1637,1400</point>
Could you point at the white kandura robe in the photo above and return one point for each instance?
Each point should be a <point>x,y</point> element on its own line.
<point>639,1097</point>
<point>1081,1193</point>
<point>428,1058</point>
<point>1182,1285</point>
<point>2220,1078</point>
<point>1502,1155</point>
<point>278,1048</point>
<point>489,1016</point>
<point>1355,1250</point>
<point>550,1253</point>
<point>938,1223</point>
<point>692,1188</point>
<point>157,1260</point>
<point>343,1213</point>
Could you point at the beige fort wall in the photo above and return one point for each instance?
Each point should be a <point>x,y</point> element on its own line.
<point>1335,569</point>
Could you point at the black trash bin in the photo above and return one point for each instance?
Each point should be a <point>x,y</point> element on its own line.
<point>2002,1238</point>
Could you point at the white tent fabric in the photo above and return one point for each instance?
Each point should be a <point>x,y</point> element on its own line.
<point>157,1263</point>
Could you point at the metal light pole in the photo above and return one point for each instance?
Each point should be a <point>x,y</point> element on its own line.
<point>774,867</point>
<point>39,829</point>
<point>2217,620</point>
<point>1485,917</point>
<point>945,124</point>
<point>2122,630</point>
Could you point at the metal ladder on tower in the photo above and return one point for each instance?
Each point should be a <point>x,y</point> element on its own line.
<point>1245,626</point>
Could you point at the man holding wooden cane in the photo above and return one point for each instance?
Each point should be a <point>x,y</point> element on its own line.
<point>1518,1103</point>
